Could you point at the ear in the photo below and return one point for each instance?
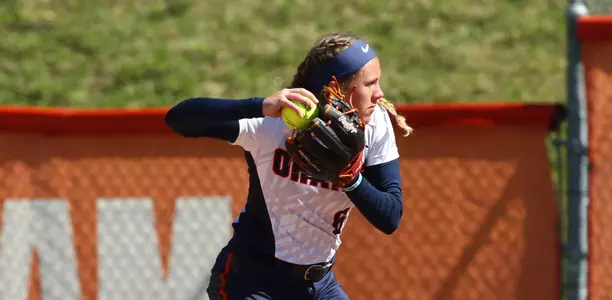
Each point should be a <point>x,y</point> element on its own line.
<point>341,87</point>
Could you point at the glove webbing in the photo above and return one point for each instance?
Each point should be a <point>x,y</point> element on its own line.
<point>329,93</point>
<point>334,93</point>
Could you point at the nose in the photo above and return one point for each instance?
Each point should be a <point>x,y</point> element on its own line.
<point>377,94</point>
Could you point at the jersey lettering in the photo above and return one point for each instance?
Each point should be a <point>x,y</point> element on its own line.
<point>283,166</point>
<point>339,220</point>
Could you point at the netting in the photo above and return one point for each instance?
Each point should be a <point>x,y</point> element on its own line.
<point>478,223</point>
<point>106,217</point>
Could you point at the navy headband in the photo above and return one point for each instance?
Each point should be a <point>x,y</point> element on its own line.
<point>342,65</point>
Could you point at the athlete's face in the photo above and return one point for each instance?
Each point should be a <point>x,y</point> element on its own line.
<point>366,89</point>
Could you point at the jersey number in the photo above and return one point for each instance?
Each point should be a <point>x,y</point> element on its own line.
<point>339,219</point>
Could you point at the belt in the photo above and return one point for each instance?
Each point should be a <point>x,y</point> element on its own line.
<point>313,272</point>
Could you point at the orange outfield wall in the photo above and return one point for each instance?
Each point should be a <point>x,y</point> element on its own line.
<point>595,36</point>
<point>480,210</point>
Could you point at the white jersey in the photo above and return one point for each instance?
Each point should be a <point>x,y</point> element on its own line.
<point>306,216</point>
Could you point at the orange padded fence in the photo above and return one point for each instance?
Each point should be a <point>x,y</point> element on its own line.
<point>480,210</point>
<point>595,35</point>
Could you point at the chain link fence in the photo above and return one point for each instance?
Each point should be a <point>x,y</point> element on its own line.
<point>589,147</point>
<point>112,218</point>
<point>137,217</point>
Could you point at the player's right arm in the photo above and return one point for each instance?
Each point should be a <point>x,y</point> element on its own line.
<point>220,118</point>
<point>212,117</point>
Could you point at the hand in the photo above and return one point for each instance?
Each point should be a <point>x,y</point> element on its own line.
<point>273,104</point>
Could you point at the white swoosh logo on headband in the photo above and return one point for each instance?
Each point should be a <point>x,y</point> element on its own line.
<point>366,48</point>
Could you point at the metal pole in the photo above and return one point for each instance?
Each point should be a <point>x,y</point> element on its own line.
<point>577,163</point>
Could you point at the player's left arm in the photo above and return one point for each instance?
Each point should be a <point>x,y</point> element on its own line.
<point>378,195</point>
<point>377,192</point>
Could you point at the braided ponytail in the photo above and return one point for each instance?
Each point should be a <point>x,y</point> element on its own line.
<point>324,49</point>
<point>399,119</point>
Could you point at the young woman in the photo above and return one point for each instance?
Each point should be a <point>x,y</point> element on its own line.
<point>287,236</point>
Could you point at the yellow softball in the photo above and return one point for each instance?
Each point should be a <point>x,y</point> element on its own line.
<point>294,121</point>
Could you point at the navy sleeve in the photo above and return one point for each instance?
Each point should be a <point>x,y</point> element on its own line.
<point>212,117</point>
<point>379,196</point>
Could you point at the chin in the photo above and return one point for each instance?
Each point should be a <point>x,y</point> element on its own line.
<point>366,116</point>
<point>366,119</point>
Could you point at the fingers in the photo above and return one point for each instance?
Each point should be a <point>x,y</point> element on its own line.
<point>289,98</point>
<point>308,95</point>
<point>303,96</point>
<point>288,103</point>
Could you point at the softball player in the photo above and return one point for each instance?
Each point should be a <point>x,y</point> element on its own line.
<point>288,234</point>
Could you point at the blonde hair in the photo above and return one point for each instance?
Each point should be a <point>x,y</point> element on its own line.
<point>324,49</point>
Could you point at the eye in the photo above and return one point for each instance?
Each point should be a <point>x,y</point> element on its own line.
<point>372,82</point>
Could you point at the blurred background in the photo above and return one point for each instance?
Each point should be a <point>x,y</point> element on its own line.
<point>75,57</point>
<point>151,53</point>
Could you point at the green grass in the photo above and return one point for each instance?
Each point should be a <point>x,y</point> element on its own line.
<point>110,53</point>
